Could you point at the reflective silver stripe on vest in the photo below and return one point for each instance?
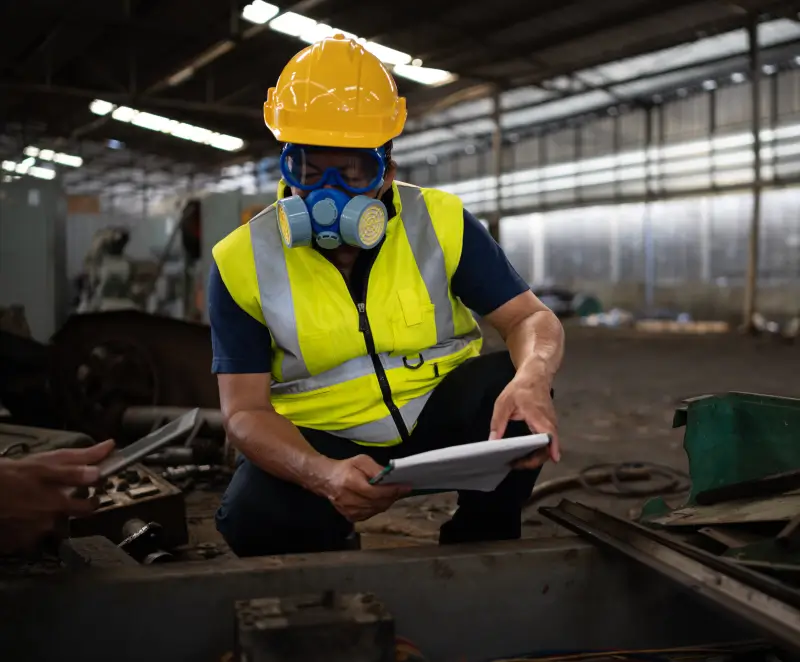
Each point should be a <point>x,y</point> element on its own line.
<point>362,365</point>
<point>275,291</point>
<point>428,255</point>
<point>384,429</point>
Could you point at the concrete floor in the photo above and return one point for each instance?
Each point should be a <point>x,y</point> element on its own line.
<point>615,394</point>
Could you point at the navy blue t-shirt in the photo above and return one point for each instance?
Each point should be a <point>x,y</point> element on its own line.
<point>484,280</point>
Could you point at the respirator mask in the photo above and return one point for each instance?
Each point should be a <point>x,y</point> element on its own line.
<point>332,216</point>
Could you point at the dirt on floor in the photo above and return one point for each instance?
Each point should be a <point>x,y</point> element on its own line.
<point>615,395</point>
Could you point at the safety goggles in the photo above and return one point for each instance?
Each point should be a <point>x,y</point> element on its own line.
<point>353,170</point>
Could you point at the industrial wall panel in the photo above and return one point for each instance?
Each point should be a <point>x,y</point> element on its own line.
<point>789,95</point>
<point>517,242</point>
<point>560,146</point>
<point>730,220</point>
<point>733,107</point>
<point>632,127</point>
<point>686,119</point>
<point>32,253</point>
<point>597,138</point>
<point>677,226</point>
<point>779,256</point>
<point>527,152</point>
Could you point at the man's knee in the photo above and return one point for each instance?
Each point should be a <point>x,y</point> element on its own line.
<point>261,515</point>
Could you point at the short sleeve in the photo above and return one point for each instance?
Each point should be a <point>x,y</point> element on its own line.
<point>240,343</point>
<point>484,279</point>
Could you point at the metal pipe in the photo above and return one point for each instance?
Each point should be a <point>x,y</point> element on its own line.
<point>751,284</point>
<point>138,421</point>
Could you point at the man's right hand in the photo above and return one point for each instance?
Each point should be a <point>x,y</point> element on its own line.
<point>37,487</point>
<point>346,485</point>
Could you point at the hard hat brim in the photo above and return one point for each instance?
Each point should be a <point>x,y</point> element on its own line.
<point>346,137</point>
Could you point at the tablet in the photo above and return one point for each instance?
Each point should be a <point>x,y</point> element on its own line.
<point>121,459</point>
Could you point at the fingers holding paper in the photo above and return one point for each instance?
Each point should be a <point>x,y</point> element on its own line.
<point>349,490</point>
<point>529,402</point>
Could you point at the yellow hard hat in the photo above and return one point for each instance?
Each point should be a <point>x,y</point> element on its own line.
<point>335,93</point>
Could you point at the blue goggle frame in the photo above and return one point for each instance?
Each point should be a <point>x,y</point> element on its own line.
<point>332,176</point>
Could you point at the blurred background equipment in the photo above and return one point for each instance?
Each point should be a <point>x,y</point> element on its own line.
<point>107,282</point>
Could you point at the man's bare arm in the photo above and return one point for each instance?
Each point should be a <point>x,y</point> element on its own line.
<point>266,438</point>
<point>535,340</point>
<point>274,444</point>
<point>533,334</point>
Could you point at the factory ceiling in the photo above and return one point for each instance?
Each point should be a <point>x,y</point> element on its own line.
<point>179,84</point>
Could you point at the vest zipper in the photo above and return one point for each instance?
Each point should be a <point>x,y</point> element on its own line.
<point>383,381</point>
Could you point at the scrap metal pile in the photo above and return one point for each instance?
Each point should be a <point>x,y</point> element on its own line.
<point>736,542</point>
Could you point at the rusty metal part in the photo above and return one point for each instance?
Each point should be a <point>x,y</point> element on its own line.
<point>104,363</point>
<point>431,592</point>
<point>93,552</point>
<point>144,541</point>
<point>138,493</point>
<point>761,487</point>
<point>762,602</point>
<point>323,627</point>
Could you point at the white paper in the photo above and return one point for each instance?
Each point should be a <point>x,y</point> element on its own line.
<point>479,466</point>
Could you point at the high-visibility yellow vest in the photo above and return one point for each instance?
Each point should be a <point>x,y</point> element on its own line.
<point>361,367</point>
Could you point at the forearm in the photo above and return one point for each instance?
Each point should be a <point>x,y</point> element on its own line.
<point>274,444</point>
<point>536,345</point>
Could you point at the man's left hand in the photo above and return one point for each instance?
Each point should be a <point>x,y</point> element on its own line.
<point>527,398</point>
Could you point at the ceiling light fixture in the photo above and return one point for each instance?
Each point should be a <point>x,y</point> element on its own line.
<point>260,12</point>
<point>27,168</point>
<point>57,157</point>
<point>167,126</point>
<point>310,31</point>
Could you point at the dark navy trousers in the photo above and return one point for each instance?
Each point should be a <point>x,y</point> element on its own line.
<point>263,515</point>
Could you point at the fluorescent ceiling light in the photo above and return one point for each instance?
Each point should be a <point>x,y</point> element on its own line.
<point>167,126</point>
<point>388,55</point>
<point>50,155</point>
<point>27,168</point>
<point>292,24</point>
<point>310,31</point>
<point>424,75</point>
<point>259,12</point>
<point>99,107</point>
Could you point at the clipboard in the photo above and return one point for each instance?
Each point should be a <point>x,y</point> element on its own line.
<point>477,466</point>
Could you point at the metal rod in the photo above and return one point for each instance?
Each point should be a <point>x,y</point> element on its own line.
<point>497,163</point>
<point>751,283</point>
<point>116,98</point>
<point>647,221</point>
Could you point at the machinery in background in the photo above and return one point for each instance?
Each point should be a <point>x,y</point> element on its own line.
<point>108,281</point>
<point>100,364</point>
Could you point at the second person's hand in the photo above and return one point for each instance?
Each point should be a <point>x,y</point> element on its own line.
<point>346,485</point>
<point>40,485</point>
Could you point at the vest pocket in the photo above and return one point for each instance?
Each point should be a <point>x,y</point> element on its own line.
<point>413,324</point>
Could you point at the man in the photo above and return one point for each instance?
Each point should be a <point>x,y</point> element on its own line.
<point>35,493</point>
<point>342,330</point>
